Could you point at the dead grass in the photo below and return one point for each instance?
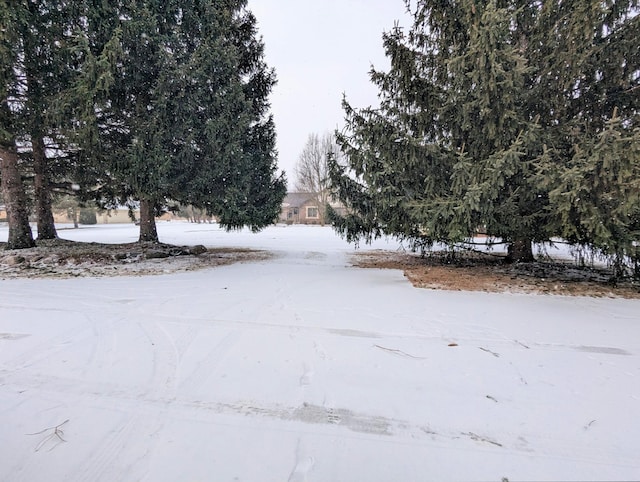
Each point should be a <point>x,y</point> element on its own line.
<point>489,273</point>
<point>61,258</point>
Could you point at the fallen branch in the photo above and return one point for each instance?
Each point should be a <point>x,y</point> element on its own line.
<point>399,352</point>
<point>57,433</point>
<point>479,438</point>
<point>497,355</point>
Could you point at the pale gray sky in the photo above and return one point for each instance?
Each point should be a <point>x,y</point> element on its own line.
<point>320,50</point>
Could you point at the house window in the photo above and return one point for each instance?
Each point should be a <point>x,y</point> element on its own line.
<point>312,212</point>
<point>295,211</point>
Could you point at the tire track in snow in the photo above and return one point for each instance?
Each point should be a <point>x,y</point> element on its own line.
<point>121,455</point>
<point>101,357</point>
<point>197,377</point>
<point>183,342</point>
<point>107,455</point>
<point>287,328</point>
<point>166,360</point>
<point>154,412</point>
<point>51,346</point>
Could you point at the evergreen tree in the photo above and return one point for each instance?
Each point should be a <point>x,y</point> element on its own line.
<point>12,18</point>
<point>41,63</point>
<point>597,194</point>
<point>177,109</point>
<point>47,63</point>
<point>479,105</point>
<point>593,161</point>
<point>449,149</point>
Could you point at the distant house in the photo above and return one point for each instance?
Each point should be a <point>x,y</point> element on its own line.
<point>119,215</point>
<point>304,208</point>
<point>300,208</point>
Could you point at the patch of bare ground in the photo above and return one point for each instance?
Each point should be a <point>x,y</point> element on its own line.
<point>482,272</point>
<point>61,258</point>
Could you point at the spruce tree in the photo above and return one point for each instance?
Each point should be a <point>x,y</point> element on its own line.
<point>597,194</point>
<point>176,109</point>
<point>483,106</point>
<point>449,150</point>
<point>41,61</point>
<point>593,160</point>
<point>47,62</point>
<point>12,18</point>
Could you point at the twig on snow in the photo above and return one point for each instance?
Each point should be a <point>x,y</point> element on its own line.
<point>479,438</point>
<point>56,434</point>
<point>399,352</point>
<point>497,355</point>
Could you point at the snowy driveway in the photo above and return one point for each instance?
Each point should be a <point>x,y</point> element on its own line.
<point>302,368</point>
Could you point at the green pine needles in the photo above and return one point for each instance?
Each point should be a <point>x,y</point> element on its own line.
<point>181,110</point>
<point>515,117</point>
<point>140,102</point>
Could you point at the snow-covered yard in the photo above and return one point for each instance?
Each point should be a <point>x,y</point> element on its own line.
<point>301,367</point>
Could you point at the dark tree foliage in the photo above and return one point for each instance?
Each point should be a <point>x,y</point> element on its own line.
<point>592,169</point>
<point>48,67</point>
<point>174,106</point>
<point>485,105</point>
<point>38,54</point>
<point>12,19</point>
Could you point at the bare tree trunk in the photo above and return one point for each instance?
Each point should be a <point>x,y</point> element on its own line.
<point>148,231</point>
<point>520,251</point>
<point>75,213</point>
<point>20,235</point>
<point>44,212</point>
<point>323,200</point>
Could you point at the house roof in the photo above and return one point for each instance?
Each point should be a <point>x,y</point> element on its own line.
<point>297,199</point>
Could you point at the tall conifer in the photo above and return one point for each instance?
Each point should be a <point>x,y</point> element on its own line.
<point>13,17</point>
<point>484,105</point>
<point>178,109</point>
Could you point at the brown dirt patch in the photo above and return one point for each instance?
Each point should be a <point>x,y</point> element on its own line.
<point>61,258</point>
<point>481,272</point>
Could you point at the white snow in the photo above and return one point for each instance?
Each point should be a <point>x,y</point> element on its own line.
<point>303,368</point>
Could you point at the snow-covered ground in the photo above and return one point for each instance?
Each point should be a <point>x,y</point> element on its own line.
<point>303,368</point>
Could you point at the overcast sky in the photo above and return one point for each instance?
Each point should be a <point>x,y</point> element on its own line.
<point>320,50</point>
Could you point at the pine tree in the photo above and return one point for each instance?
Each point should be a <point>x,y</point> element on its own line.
<point>41,64</point>
<point>597,194</point>
<point>592,120</point>
<point>178,109</point>
<point>12,17</point>
<point>448,150</point>
<point>483,106</point>
<point>47,63</point>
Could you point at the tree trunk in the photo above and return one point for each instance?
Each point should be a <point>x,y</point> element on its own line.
<point>520,251</point>
<point>148,231</point>
<point>44,213</point>
<point>322,211</point>
<point>75,212</point>
<point>20,235</point>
